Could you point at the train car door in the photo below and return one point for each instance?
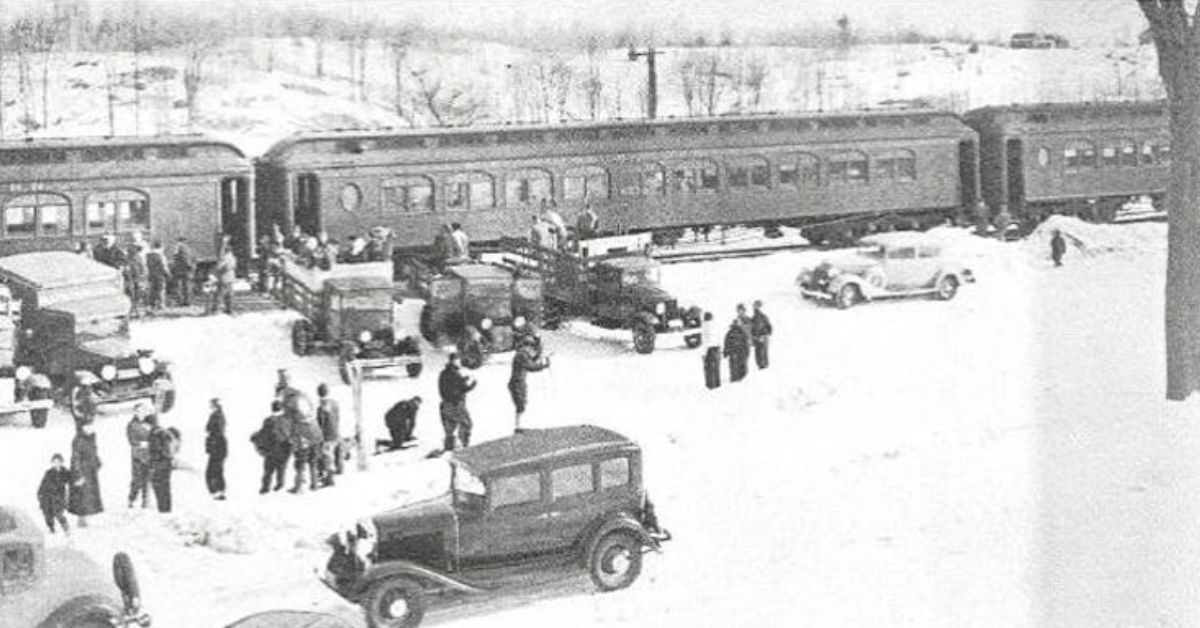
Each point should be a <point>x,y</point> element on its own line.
<point>308,203</point>
<point>1014,153</point>
<point>237,221</point>
<point>968,174</point>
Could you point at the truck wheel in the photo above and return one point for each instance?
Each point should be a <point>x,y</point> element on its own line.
<point>425,325</point>
<point>125,576</point>
<point>616,562</point>
<point>413,370</point>
<point>643,338</point>
<point>692,341</point>
<point>947,287</point>
<point>78,391</point>
<point>302,337</point>
<point>395,603</point>
<point>847,296</point>
<point>470,353</point>
<point>39,418</point>
<point>344,359</point>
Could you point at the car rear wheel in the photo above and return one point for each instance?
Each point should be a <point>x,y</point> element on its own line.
<point>76,399</point>
<point>692,341</point>
<point>616,561</point>
<point>413,370</point>
<point>947,287</point>
<point>643,338</point>
<point>395,603</point>
<point>847,296</point>
<point>470,352</point>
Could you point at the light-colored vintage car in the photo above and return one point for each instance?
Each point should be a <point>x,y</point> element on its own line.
<point>886,265</point>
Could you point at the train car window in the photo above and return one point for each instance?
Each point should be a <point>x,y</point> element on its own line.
<point>1043,156</point>
<point>473,190</point>
<point>350,197</point>
<point>810,170</point>
<point>29,215</point>
<point>789,174</point>
<point>641,180</point>
<point>1079,154</point>
<point>20,221</point>
<point>524,188</point>
<point>1108,156</point>
<point>1162,151</point>
<point>693,177</point>
<point>848,167</point>
<point>1148,154</point>
<point>1128,153</point>
<point>748,172</point>
<point>118,211</point>
<point>900,165</point>
<point>585,182</point>
<point>407,195</point>
<point>25,157</point>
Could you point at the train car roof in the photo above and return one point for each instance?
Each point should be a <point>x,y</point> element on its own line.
<point>118,156</point>
<point>1051,117</point>
<point>357,144</point>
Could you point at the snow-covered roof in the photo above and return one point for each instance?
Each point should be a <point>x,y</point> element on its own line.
<point>53,269</point>
<point>533,446</point>
<point>1055,116</point>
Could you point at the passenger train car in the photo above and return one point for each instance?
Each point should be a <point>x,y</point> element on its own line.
<point>57,192</point>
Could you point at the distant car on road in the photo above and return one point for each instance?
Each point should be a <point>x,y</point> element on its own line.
<point>519,508</point>
<point>886,265</point>
<point>60,587</point>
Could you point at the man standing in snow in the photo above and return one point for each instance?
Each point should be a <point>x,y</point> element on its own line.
<point>712,352</point>
<point>524,361</point>
<point>306,441</point>
<point>225,274</point>
<point>52,494</point>
<point>183,269</point>
<point>138,433</point>
<point>272,442</point>
<point>136,274</point>
<point>453,387</point>
<point>737,349</point>
<point>1058,247</point>
<point>157,276</point>
<point>163,445</point>
<point>760,333</point>
<point>217,448</point>
<point>328,419</point>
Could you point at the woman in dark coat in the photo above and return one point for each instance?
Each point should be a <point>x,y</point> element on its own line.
<point>217,448</point>
<point>737,349</point>
<point>84,499</point>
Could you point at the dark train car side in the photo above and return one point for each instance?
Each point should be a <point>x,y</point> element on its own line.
<point>1085,159</point>
<point>644,175</point>
<point>57,192</point>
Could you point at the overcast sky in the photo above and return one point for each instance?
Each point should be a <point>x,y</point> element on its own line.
<point>1081,20</point>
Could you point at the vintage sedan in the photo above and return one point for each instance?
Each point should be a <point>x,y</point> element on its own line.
<point>540,502</point>
<point>886,265</point>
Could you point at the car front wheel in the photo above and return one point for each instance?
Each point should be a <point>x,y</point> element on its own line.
<point>643,338</point>
<point>847,296</point>
<point>946,289</point>
<point>616,562</point>
<point>395,603</point>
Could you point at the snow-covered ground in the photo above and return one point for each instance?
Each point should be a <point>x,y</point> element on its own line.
<point>1002,459</point>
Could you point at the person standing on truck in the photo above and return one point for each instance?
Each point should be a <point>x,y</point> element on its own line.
<point>137,432</point>
<point>52,494</point>
<point>555,220</point>
<point>183,271</point>
<point>524,361</point>
<point>587,224</point>
<point>157,276</point>
<point>453,387</point>
<point>462,244</point>
<point>760,334</point>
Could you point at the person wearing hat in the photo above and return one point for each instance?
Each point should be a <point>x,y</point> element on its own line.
<point>183,272</point>
<point>137,432</point>
<point>760,335</point>
<point>453,387</point>
<point>524,361</point>
<point>400,421</point>
<point>737,349</point>
<point>217,448</point>
<point>329,461</point>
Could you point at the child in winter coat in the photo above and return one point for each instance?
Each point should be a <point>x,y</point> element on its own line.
<point>52,494</point>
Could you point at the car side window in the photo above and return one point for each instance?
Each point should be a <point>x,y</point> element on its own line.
<point>906,252</point>
<point>614,473</point>
<point>927,251</point>
<point>514,490</point>
<point>573,480</point>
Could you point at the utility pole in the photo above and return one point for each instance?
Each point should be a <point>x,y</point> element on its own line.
<point>360,440</point>
<point>652,79</point>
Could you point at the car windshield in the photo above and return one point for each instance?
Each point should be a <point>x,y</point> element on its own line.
<point>466,487</point>
<point>643,276</point>
<point>871,250</point>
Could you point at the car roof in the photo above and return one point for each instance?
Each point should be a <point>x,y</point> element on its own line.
<point>478,271</point>
<point>534,446</point>
<point>900,238</point>
<point>53,269</point>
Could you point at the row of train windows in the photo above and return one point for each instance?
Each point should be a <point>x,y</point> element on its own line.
<point>476,190</point>
<point>98,154</point>
<point>49,215</point>
<point>1083,154</point>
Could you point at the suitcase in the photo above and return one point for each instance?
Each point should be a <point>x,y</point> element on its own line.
<point>712,367</point>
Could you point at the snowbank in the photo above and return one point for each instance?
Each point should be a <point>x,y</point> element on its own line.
<point>1092,239</point>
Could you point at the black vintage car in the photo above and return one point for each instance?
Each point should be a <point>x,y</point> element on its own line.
<point>542,501</point>
<point>74,328</point>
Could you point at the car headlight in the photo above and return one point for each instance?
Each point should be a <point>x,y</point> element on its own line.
<point>364,336</point>
<point>485,324</point>
<point>660,308</point>
<point>519,321</point>
<point>108,372</point>
<point>145,366</point>
<point>23,373</point>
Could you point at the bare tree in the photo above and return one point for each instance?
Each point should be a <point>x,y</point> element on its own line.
<point>592,85</point>
<point>688,73</point>
<point>709,80</point>
<point>1176,33</point>
<point>399,43</point>
<point>447,106</point>
<point>755,78</point>
<point>318,32</point>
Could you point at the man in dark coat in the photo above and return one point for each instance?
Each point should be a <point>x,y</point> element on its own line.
<point>108,252</point>
<point>157,277</point>
<point>400,420</point>
<point>760,333</point>
<point>52,494</point>
<point>305,439</point>
<point>587,223</point>
<point>453,387</point>
<point>328,419</point>
<point>217,448</point>
<point>84,499</point>
<point>1058,247</point>
<point>737,349</point>
<point>524,361</point>
<point>163,444</point>
<point>89,402</point>
<point>137,432</point>
<point>273,443</point>
<point>136,275</point>
<point>225,274</point>
<point>183,272</point>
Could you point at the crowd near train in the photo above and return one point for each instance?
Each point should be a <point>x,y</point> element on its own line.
<point>833,175</point>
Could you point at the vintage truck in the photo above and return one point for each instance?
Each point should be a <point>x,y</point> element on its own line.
<point>534,507</point>
<point>74,329</point>
<point>350,310</point>
<point>473,305</point>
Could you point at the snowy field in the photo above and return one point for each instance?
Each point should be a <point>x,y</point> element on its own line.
<point>1003,459</point>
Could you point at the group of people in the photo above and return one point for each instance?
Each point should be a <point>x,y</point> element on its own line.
<point>309,436</point>
<point>548,229</point>
<point>746,333</point>
<point>317,251</point>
